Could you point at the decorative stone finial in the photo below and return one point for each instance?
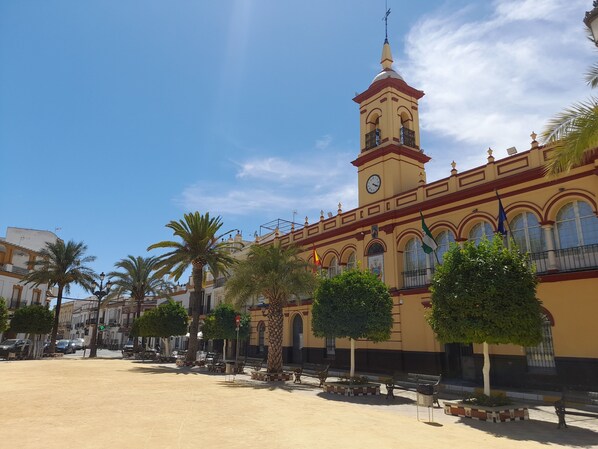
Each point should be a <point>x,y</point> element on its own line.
<point>276,231</point>
<point>490,157</point>
<point>321,215</point>
<point>340,208</point>
<point>454,169</point>
<point>386,60</point>
<point>306,221</point>
<point>535,144</point>
<point>421,178</point>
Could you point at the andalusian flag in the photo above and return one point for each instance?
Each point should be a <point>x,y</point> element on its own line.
<point>428,242</point>
<point>317,260</point>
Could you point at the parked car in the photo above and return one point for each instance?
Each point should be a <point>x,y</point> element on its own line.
<point>79,343</point>
<point>17,345</point>
<point>65,346</point>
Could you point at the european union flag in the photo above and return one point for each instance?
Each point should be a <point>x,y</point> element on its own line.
<point>502,218</point>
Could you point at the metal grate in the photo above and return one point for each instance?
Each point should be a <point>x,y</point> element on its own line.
<point>541,357</point>
<point>578,258</point>
<point>372,139</point>
<point>415,278</point>
<point>408,137</point>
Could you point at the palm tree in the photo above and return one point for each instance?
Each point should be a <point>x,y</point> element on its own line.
<point>137,278</point>
<point>573,132</point>
<point>199,247</point>
<point>62,265</point>
<point>277,273</point>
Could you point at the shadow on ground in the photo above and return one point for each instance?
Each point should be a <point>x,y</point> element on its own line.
<point>538,431</point>
<point>140,367</point>
<point>379,400</point>
<point>257,385</point>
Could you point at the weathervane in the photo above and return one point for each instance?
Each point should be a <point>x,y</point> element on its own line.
<point>385,18</point>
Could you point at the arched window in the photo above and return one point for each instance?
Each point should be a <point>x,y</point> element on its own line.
<point>330,346</point>
<point>527,233</point>
<point>541,358</point>
<point>414,264</point>
<point>576,225</point>
<point>333,268</point>
<point>443,240</point>
<point>351,262</point>
<point>479,231</point>
<point>376,259</point>
<point>261,331</point>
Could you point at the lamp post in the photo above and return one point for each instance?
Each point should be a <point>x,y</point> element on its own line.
<point>100,293</point>
<point>591,21</point>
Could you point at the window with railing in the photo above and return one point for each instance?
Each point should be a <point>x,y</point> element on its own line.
<point>414,263</point>
<point>408,137</point>
<point>330,346</point>
<point>541,358</point>
<point>372,139</point>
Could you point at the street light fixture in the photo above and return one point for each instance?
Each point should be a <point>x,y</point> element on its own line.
<point>100,293</point>
<point>591,21</point>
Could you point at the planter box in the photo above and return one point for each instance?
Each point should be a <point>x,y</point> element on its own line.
<point>183,362</point>
<point>271,377</point>
<point>495,414</point>
<point>352,390</point>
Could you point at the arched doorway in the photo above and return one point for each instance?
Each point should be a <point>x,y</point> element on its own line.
<point>297,339</point>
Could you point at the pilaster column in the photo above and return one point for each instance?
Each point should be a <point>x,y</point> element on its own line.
<point>548,229</point>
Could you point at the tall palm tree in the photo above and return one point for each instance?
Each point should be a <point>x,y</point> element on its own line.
<point>277,273</point>
<point>61,265</point>
<point>139,279</point>
<point>573,132</point>
<point>199,246</point>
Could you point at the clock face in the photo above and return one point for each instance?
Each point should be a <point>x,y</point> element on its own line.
<point>373,184</point>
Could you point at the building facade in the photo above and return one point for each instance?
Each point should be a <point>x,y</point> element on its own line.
<point>555,220</point>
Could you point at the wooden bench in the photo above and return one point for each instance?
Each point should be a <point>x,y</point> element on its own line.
<point>317,370</point>
<point>587,399</point>
<point>411,382</point>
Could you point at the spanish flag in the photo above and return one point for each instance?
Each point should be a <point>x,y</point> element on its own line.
<point>317,260</point>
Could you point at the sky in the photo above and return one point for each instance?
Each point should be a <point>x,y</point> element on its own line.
<point>118,116</point>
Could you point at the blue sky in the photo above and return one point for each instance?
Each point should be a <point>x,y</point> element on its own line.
<point>119,116</point>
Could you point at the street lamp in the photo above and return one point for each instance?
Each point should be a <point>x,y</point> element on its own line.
<point>591,21</point>
<point>100,293</point>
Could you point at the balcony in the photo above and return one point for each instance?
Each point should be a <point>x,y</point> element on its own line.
<point>408,137</point>
<point>372,139</point>
<point>415,278</point>
<point>578,258</point>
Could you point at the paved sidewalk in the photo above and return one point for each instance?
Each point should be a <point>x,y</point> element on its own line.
<point>111,403</point>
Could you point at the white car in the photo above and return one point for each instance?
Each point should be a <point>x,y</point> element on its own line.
<point>79,343</point>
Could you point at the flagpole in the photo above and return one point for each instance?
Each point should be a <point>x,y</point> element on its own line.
<point>500,206</point>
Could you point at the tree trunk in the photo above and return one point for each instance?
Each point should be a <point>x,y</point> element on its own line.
<point>56,317</point>
<point>224,349</point>
<point>137,315</point>
<point>274,338</point>
<point>197,274</point>
<point>352,371</point>
<point>486,369</point>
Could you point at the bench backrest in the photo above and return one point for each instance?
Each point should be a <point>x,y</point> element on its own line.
<point>426,379</point>
<point>315,367</point>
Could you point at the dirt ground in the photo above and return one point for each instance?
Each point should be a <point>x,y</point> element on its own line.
<point>102,403</point>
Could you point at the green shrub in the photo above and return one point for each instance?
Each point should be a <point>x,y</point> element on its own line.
<point>494,400</point>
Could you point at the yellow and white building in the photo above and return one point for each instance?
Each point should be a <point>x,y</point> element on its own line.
<point>554,219</point>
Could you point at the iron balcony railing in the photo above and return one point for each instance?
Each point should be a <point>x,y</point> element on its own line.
<point>372,139</point>
<point>20,270</point>
<point>540,260</point>
<point>408,137</point>
<point>415,278</point>
<point>578,258</point>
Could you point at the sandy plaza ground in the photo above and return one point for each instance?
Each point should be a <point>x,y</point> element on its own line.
<point>112,403</point>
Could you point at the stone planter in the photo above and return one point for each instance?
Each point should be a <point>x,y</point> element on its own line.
<point>352,390</point>
<point>503,413</point>
<point>271,377</point>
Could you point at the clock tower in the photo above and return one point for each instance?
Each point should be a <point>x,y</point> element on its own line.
<point>390,161</point>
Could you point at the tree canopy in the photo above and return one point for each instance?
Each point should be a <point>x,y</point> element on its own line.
<point>168,319</point>
<point>33,319</point>
<point>355,304</point>
<point>220,324</point>
<point>485,294</point>
<point>3,315</point>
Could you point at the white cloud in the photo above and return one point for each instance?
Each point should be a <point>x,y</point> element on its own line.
<point>491,81</point>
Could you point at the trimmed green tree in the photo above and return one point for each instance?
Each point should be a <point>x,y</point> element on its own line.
<point>3,315</point>
<point>168,319</point>
<point>35,320</point>
<point>485,294</point>
<point>220,324</point>
<point>355,304</point>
